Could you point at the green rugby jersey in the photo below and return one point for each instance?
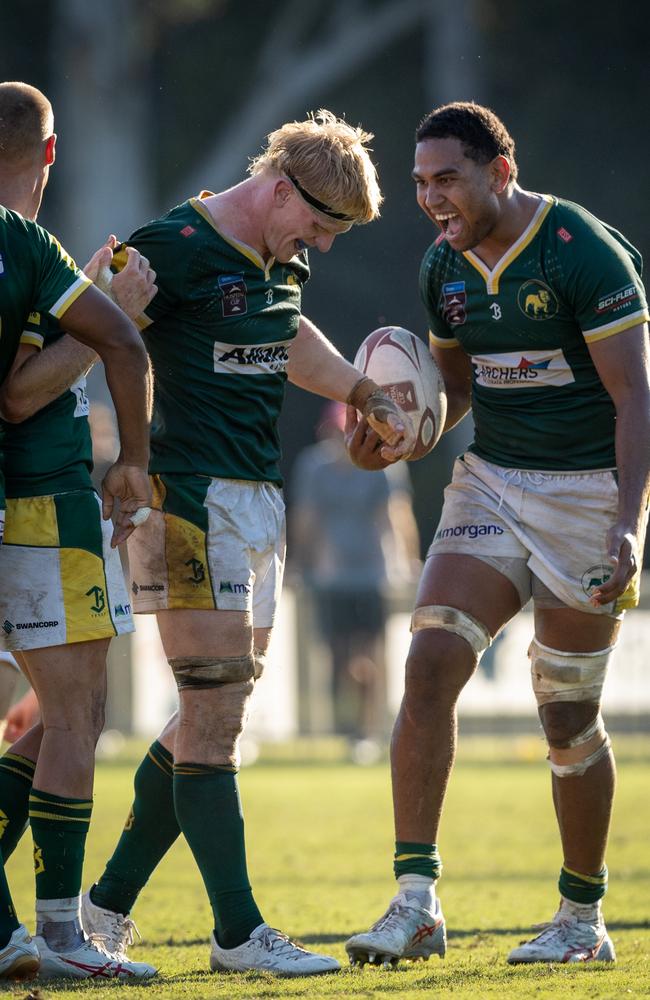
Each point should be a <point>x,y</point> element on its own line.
<point>36,276</point>
<point>51,451</point>
<point>218,334</point>
<point>568,281</point>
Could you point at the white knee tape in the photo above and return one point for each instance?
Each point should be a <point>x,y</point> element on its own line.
<point>582,752</point>
<point>452,620</point>
<point>561,676</point>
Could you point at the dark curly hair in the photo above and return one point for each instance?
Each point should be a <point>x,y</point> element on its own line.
<point>482,133</point>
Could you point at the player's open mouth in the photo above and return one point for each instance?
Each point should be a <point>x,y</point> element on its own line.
<point>450,223</point>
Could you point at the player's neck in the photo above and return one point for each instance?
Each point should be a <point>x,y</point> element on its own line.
<point>234,213</point>
<point>518,210</point>
<point>19,193</point>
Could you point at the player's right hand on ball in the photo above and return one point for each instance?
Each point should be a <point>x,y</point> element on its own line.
<point>392,425</point>
<point>363,444</point>
<point>131,486</point>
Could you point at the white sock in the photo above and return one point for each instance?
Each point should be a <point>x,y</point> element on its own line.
<point>421,886</point>
<point>589,912</point>
<point>59,922</point>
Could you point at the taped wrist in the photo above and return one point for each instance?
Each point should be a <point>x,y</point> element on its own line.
<point>360,391</point>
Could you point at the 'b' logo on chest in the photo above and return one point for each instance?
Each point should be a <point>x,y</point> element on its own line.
<point>232,289</point>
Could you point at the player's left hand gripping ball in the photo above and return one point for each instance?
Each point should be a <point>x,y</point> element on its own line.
<point>392,425</point>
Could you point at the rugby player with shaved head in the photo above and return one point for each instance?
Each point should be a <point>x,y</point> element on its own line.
<point>538,321</point>
<point>60,577</point>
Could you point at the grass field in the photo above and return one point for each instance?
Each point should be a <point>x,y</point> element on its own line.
<point>320,848</point>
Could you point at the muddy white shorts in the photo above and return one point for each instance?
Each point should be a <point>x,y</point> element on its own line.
<point>60,580</point>
<point>546,531</point>
<point>210,543</point>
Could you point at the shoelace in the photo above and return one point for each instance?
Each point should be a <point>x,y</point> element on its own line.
<point>275,940</point>
<point>395,911</point>
<point>120,935</point>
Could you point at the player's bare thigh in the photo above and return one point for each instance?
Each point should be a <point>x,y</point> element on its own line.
<point>441,662</point>
<point>471,585</point>
<point>190,632</point>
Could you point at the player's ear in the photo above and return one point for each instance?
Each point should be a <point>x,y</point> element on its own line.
<point>50,150</point>
<point>500,174</point>
<point>282,191</point>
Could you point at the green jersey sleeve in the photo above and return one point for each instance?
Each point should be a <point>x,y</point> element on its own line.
<point>434,292</point>
<point>59,281</point>
<point>602,277</point>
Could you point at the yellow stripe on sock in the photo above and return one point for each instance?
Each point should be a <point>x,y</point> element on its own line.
<point>594,879</point>
<point>64,819</point>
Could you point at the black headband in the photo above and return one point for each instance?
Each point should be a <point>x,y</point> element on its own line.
<point>315,203</point>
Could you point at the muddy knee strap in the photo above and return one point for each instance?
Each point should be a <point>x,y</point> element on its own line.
<point>452,620</point>
<point>259,656</point>
<point>211,671</point>
<point>558,675</point>
<point>581,752</point>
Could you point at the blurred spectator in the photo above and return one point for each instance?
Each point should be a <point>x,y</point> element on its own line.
<point>354,539</point>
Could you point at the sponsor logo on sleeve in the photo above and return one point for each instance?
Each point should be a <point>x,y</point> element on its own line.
<point>564,235</point>
<point>519,371</point>
<point>232,289</point>
<point>536,300</point>
<point>187,231</point>
<point>452,303</point>
<point>613,301</point>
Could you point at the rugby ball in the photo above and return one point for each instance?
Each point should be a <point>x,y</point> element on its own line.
<point>401,364</point>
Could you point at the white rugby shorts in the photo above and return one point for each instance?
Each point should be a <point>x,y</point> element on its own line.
<point>556,521</point>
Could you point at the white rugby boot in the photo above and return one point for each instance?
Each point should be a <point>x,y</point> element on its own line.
<point>567,939</point>
<point>268,950</point>
<point>19,959</point>
<point>89,961</point>
<point>406,930</point>
<point>115,931</point>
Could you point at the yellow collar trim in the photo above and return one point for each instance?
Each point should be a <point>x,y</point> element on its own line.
<point>242,248</point>
<point>529,234</point>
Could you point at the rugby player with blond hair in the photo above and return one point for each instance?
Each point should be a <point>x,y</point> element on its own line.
<point>224,333</point>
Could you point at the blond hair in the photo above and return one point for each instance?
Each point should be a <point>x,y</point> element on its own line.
<point>26,120</point>
<point>329,160</point>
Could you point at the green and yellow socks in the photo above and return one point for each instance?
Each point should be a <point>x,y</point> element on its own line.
<point>150,830</point>
<point>59,829</point>
<point>16,776</point>
<point>209,811</point>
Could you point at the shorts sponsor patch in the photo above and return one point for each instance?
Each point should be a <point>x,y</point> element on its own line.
<point>467,531</point>
<point>155,588</point>
<point>519,370</point>
<point>595,577</point>
<point>9,627</point>
<point>228,587</point>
